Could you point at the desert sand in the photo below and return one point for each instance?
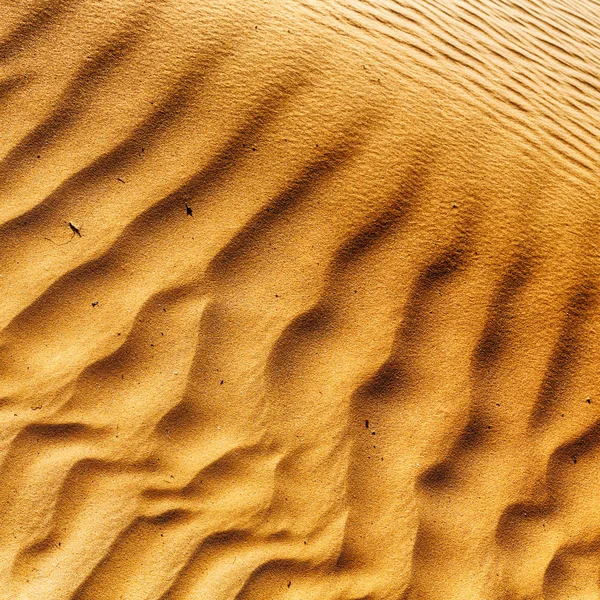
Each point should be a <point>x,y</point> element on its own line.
<point>300,300</point>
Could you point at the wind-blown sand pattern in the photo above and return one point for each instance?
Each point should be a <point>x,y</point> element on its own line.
<point>300,300</point>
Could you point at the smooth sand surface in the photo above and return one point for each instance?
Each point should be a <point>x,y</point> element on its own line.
<point>300,300</point>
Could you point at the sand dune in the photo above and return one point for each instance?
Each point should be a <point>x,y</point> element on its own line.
<point>300,300</point>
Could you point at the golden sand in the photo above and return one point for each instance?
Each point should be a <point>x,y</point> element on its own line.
<point>300,300</point>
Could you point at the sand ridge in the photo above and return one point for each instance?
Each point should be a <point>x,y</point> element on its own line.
<point>300,300</point>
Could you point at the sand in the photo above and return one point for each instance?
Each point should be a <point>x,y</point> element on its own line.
<point>300,300</point>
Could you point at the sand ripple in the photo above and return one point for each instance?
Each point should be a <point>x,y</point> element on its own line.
<point>300,300</point>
